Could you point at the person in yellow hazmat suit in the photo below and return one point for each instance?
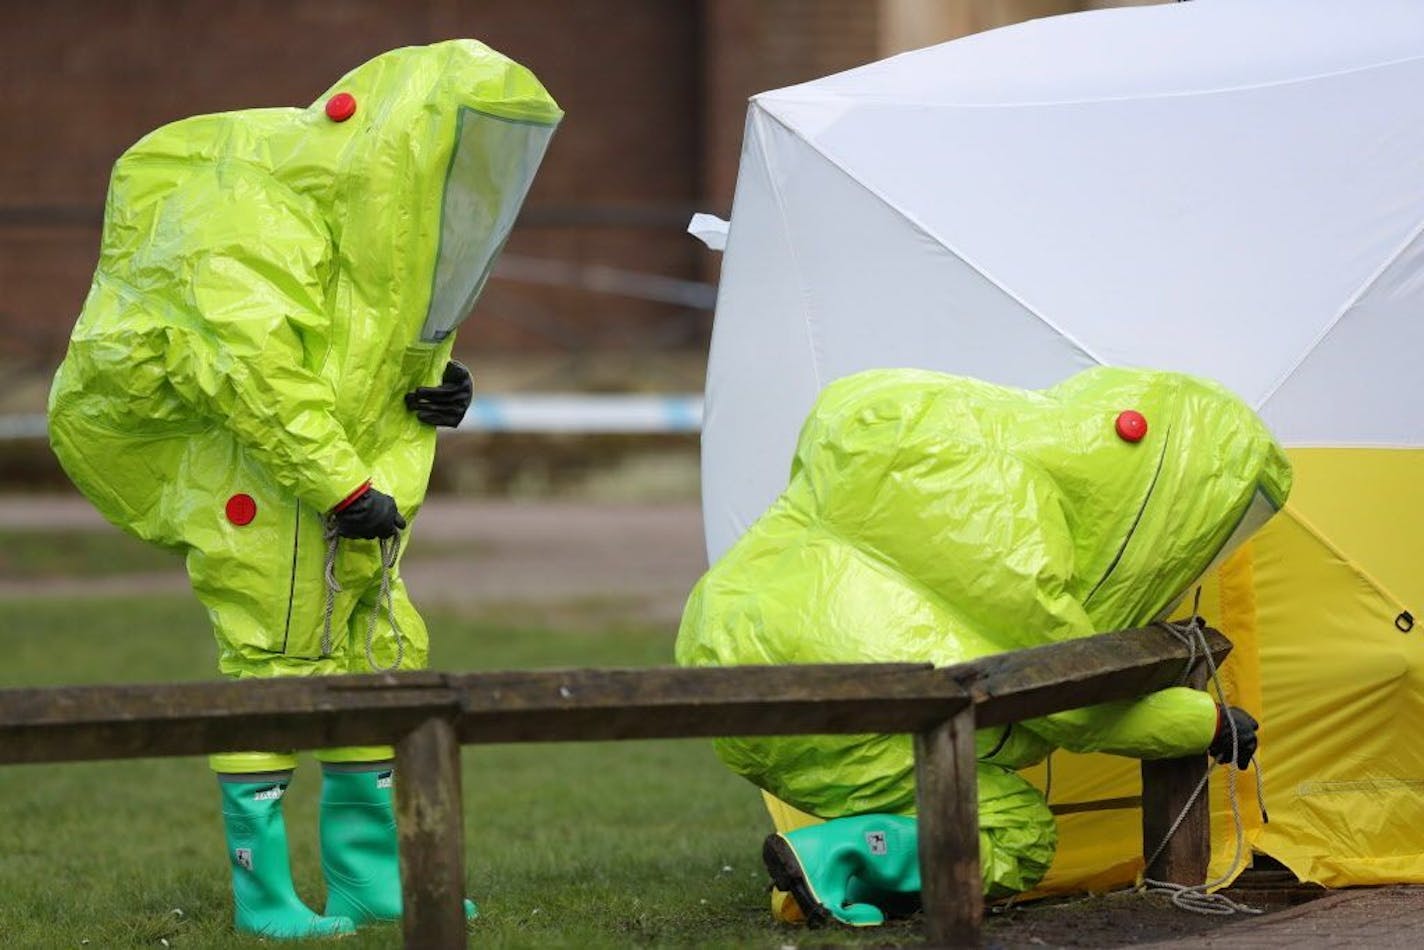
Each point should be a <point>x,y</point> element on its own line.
<point>256,378</point>
<point>938,519</point>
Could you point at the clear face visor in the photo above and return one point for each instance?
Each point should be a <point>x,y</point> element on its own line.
<point>1257,514</point>
<point>491,170</point>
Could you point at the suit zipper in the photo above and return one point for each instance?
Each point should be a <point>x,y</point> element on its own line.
<point>292,583</point>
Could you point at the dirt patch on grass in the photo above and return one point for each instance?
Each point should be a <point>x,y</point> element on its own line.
<point>1119,919</point>
<point>579,565</point>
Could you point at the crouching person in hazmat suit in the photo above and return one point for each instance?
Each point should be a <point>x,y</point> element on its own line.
<point>255,380</point>
<point>938,519</point>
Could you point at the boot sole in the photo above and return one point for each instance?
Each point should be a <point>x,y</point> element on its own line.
<point>786,875</point>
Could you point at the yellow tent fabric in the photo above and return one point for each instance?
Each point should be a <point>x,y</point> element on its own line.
<point>1316,605</point>
<point>1341,688</point>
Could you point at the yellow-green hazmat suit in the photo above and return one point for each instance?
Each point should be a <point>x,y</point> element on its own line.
<point>936,518</point>
<point>271,283</point>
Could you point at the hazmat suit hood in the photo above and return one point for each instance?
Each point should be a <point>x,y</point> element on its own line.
<point>418,161</point>
<point>254,262</point>
<point>1197,475</point>
<point>443,146</point>
<point>938,518</point>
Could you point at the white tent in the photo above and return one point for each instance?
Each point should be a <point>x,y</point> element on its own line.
<point>1232,188</point>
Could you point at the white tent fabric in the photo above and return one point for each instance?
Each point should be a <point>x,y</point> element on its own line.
<point>1233,188</point>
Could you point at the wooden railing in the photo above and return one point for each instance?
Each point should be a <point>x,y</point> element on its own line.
<point>427,716</point>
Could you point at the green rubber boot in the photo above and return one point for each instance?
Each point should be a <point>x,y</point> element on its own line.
<point>264,901</point>
<point>360,854</point>
<point>848,869</point>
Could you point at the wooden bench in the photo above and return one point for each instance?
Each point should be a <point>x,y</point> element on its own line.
<point>428,715</point>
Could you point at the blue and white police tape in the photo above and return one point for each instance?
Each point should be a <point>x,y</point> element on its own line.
<point>601,413</point>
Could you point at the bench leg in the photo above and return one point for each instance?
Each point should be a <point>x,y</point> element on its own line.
<point>1167,785</point>
<point>947,799</point>
<point>432,838</point>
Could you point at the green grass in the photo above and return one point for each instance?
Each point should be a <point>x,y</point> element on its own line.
<point>25,555</point>
<point>577,845</point>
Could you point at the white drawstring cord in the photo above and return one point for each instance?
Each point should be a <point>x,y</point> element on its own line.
<point>390,549</point>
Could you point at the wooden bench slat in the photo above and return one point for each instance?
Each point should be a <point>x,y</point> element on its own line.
<point>1011,687</point>
<point>107,722</point>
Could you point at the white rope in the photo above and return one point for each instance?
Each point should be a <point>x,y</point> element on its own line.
<point>333,586</point>
<point>1199,898</point>
<point>390,550</point>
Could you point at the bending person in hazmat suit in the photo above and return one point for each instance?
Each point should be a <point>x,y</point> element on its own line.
<point>255,381</point>
<point>935,518</point>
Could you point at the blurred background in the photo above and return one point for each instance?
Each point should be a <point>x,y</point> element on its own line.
<point>599,290</point>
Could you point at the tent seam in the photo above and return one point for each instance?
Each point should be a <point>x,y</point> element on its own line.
<point>1040,103</point>
<point>1349,562</point>
<point>937,238</point>
<point>1318,444</point>
<point>1350,304</point>
<point>805,293</point>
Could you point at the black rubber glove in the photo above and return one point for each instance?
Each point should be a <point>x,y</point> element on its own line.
<point>443,405</point>
<point>372,514</point>
<point>1220,748</point>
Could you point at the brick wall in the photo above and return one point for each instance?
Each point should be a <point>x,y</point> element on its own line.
<point>655,93</point>
<point>84,79</point>
<point>755,45</point>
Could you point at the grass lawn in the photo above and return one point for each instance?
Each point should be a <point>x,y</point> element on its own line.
<point>577,845</point>
<point>25,555</point>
